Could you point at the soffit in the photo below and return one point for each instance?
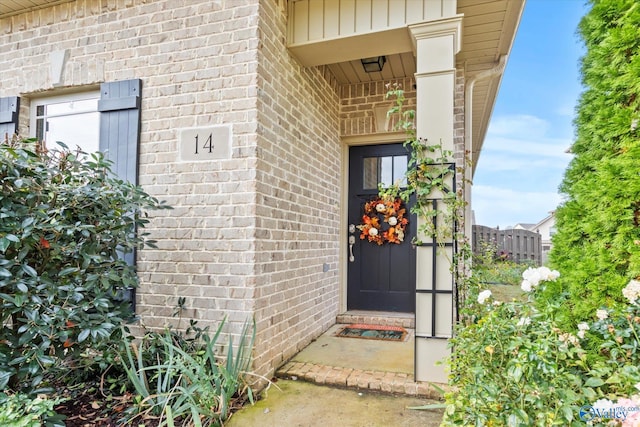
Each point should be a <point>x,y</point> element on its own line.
<point>15,7</point>
<point>489,28</point>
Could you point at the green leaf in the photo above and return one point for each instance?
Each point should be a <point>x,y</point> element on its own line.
<point>12,238</point>
<point>27,222</point>
<point>567,411</point>
<point>5,376</point>
<point>83,335</point>
<point>515,371</point>
<point>614,379</point>
<point>4,244</point>
<point>593,382</point>
<point>66,271</point>
<point>29,270</point>
<point>46,360</point>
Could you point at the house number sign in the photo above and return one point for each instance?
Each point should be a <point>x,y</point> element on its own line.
<point>208,143</point>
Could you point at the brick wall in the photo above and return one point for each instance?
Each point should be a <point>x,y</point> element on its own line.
<point>358,104</point>
<point>198,63</point>
<point>298,193</point>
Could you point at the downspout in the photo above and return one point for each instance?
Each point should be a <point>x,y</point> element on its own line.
<point>468,96</point>
<point>468,142</point>
<point>468,130</point>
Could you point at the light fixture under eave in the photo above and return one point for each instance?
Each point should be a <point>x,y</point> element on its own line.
<point>373,65</point>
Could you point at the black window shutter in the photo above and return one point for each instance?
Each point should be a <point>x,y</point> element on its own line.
<point>9,108</point>
<point>119,108</point>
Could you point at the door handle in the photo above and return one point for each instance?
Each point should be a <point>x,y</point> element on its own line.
<point>352,241</point>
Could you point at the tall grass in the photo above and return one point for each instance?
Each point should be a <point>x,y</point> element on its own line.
<point>180,382</point>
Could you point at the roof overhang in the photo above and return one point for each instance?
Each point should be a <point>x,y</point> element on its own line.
<point>488,32</point>
<point>15,7</point>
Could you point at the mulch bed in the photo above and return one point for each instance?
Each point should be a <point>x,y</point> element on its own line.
<point>88,407</point>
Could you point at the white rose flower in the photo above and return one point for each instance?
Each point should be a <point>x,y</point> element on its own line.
<point>532,275</point>
<point>380,207</point>
<point>524,321</point>
<point>568,339</point>
<point>632,291</point>
<point>483,296</point>
<point>393,221</point>
<point>582,328</point>
<point>547,274</point>
<point>526,286</point>
<point>373,231</point>
<point>602,314</point>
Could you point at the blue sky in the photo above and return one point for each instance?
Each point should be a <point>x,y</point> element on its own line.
<point>523,157</point>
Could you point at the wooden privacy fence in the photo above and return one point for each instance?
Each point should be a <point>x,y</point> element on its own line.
<point>515,244</point>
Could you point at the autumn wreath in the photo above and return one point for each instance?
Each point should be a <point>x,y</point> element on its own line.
<point>384,220</point>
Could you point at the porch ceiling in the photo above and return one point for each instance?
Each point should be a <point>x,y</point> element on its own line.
<point>489,28</point>
<point>14,7</point>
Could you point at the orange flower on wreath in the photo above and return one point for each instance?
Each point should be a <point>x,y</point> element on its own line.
<point>384,221</point>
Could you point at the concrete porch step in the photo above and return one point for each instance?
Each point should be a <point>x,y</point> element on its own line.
<point>360,364</point>
<point>383,318</point>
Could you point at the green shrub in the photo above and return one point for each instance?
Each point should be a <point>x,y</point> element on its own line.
<point>65,223</point>
<point>598,226</point>
<point>489,267</point>
<point>515,366</point>
<point>185,380</point>
<point>21,410</point>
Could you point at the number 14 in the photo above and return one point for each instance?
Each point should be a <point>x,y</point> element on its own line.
<point>208,144</point>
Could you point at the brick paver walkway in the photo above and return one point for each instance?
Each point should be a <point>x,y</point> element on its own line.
<point>387,382</point>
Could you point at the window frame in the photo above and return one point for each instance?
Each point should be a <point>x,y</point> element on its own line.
<point>35,102</point>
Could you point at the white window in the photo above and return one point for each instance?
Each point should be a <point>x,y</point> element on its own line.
<point>72,119</point>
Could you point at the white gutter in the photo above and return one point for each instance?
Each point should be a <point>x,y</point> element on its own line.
<point>468,96</point>
<point>468,130</point>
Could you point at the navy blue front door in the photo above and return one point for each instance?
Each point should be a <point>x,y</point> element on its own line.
<point>380,277</point>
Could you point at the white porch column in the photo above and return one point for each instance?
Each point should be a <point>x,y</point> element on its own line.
<point>436,44</point>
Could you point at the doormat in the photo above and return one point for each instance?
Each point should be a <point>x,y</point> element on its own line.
<point>372,332</point>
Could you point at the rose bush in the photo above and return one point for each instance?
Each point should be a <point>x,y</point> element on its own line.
<point>515,366</point>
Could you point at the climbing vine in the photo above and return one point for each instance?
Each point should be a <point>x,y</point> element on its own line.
<point>436,184</point>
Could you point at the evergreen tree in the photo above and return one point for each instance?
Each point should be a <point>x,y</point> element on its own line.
<point>597,245</point>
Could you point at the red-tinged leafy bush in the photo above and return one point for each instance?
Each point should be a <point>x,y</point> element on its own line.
<point>66,225</point>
